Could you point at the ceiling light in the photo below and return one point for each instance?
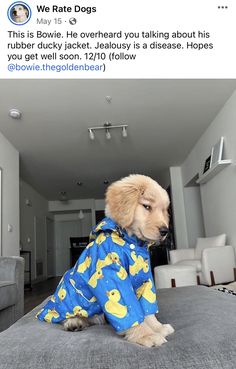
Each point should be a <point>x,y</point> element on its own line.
<point>81,214</point>
<point>108,135</point>
<point>63,196</point>
<point>79,183</point>
<point>107,127</point>
<point>124,132</point>
<point>91,134</point>
<point>108,99</point>
<point>15,113</point>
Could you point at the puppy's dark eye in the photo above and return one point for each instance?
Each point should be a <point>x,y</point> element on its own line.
<point>147,207</point>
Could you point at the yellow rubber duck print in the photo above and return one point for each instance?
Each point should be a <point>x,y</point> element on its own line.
<point>85,265</point>
<point>93,281</point>
<point>90,245</point>
<point>116,239</point>
<point>139,264</point>
<point>101,238</point>
<point>61,293</point>
<point>112,257</point>
<point>78,311</point>
<point>93,299</point>
<point>113,306</point>
<point>122,274</point>
<point>145,290</point>
<point>99,226</point>
<point>115,257</point>
<point>51,314</point>
<point>69,315</point>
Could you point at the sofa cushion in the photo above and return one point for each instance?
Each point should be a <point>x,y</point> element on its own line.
<point>8,293</point>
<point>204,320</point>
<point>204,243</point>
<point>195,263</point>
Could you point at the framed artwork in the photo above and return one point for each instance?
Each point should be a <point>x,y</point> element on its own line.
<point>217,151</point>
<point>207,164</point>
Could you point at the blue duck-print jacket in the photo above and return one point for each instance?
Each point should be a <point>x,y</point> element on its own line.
<point>112,276</point>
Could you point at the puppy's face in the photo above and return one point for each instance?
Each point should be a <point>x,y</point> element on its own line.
<point>151,219</point>
<point>140,205</point>
<point>20,13</point>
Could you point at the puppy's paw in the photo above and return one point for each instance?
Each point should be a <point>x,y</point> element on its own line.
<point>97,320</point>
<point>155,339</point>
<point>166,330</point>
<point>75,324</point>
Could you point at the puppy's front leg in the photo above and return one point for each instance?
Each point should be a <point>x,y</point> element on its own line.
<point>76,324</point>
<point>144,335</point>
<point>80,323</point>
<point>156,326</point>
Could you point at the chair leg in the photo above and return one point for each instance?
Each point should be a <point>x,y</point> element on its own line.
<point>173,284</point>
<point>198,280</point>
<point>212,278</point>
<point>235,274</point>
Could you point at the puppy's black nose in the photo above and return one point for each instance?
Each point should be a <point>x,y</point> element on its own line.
<point>163,231</point>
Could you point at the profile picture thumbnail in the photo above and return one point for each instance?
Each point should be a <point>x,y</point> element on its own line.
<point>19,13</point>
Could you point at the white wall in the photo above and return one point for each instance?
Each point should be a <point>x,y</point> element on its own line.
<point>164,178</point>
<point>83,226</point>
<point>194,216</point>
<point>179,217</point>
<point>9,162</point>
<point>219,194</point>
<point>33,218</point>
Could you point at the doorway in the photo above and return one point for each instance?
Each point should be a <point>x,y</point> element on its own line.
<point>50,248</point>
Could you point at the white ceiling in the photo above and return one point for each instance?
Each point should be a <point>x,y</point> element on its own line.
<point>165,119</point>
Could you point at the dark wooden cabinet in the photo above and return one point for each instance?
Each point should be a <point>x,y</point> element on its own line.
<point>77,246</point>
<point>99,214</point>
<point>158,256</point>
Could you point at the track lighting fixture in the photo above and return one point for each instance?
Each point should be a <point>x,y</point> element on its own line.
<point>108,135</point>
<point>124,132</point>
<point>91,134</point>
<point>108,127</point>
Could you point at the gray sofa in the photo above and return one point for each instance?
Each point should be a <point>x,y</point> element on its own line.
<point>205,338</point>
<point>11,290</point>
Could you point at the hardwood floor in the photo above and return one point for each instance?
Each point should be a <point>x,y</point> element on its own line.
<point>39,292</point>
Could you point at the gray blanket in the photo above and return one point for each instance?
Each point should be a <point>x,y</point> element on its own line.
<point>205,337</point>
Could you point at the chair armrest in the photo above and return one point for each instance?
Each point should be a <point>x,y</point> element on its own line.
<point>220,260</point>
<point>181,254</point>
<point>12,269</point>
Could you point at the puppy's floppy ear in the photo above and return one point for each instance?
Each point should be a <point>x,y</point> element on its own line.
<point>122,199</point>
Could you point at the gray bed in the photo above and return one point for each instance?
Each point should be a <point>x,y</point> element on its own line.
<point>205,337</point>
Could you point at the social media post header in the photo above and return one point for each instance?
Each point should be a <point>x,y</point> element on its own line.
<point>118,39</point>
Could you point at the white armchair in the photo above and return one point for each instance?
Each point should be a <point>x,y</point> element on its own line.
<point>214,262</point>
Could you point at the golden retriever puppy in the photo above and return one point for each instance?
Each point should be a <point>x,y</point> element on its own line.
<point>112,277</point>
<point>20,13</point>
<point>140,205</point>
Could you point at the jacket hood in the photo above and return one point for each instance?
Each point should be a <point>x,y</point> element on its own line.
<point>108,225</point>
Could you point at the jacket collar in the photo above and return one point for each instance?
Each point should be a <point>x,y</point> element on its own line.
<point>108,224</point>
